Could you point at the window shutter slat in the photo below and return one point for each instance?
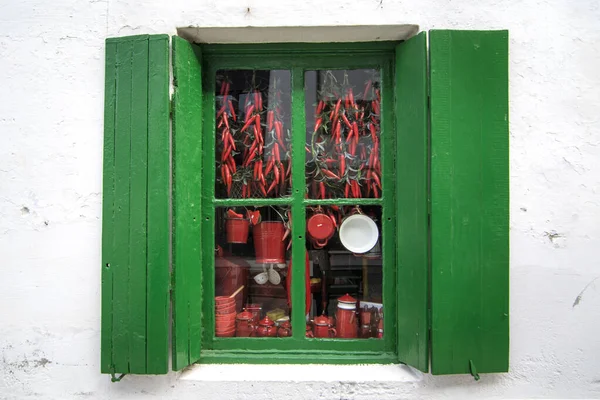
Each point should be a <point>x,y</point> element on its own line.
<point>470,199</point>
<point>134,258</point>
<point>159,194</point>
<point>411,175</point>
<point>187,164</point>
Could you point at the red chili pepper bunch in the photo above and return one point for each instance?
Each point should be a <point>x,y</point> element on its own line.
<point>373,178</point>
<point>277,144</point>
<point>345,141</point>
<point>253,142</point>
<point>257,178</point>
<point>226,111</point>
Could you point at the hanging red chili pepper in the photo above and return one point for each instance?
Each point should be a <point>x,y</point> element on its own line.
<point>330,174</point>
<point>367,89</point>
<point>270,119</point>
<point>276,173</point>
<point>232,110</point>
<point>320,107</point>
<point>376,179</point>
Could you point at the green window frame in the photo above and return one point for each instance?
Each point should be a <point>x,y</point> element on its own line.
<point>298,59</point>
<point>445,199</point>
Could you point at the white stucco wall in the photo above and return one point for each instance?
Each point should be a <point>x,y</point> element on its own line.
<point>51,78</point>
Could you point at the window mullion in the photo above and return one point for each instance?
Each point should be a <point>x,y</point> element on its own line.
<point>298,211</point>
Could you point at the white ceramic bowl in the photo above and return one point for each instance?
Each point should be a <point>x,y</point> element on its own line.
<point>359,233</point>
<point>261,278</point>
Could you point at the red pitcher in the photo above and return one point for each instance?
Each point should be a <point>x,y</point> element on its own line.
<point>322,328</point>
<point>346,321</point>
<point>244,324</point>
<point>266,327</point>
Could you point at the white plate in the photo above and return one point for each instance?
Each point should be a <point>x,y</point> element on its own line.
<point>359,233</point>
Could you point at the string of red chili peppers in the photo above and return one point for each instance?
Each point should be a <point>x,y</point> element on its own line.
<point>227,111</point>
<point>344,133</point>
<point>257,178</point>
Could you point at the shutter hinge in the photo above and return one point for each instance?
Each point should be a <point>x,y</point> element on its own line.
<point>473,370</point>
<point>113,376</point>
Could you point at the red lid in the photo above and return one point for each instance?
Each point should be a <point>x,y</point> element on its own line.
<point>320,227</point>
<point>321,320</point>
<point>347,299</point>
<point>266,321</point>
<point>245,315</point>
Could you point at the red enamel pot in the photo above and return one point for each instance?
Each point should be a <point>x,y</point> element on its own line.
<point>320,229</point>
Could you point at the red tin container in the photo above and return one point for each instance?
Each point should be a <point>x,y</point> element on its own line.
<point>237,230</point>
<point>322,328</point>
<point>345,316</point>
<point>268,243</point>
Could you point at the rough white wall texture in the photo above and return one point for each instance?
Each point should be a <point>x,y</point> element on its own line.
<point>51,75</point>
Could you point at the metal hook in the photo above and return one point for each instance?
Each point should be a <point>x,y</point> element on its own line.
<point>113,377</point>
<point>473,370</point>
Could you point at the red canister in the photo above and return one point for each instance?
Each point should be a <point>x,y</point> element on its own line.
<point>269,244</point>
<point>346,321</point>
<point>322,328</point>
<point>244,326</point>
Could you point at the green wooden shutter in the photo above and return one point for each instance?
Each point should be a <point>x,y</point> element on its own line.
<point>187,158</point>
<point>411,184</point>
<point>469,194</point>
<point>135,212</point>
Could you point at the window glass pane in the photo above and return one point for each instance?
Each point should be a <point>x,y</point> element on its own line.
<point>252,264</point>
<point>343,130</point>
<point>252,123</point>
<point>346,271</point>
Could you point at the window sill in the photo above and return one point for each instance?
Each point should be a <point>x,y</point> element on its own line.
<point>301,373</point>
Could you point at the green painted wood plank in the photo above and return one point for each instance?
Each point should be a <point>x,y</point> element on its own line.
<point>134,324</point>
<point>208,204</point>
<point>121,321</point>
<point>330,61</point>
<point>388,160</point>
<point>158,299</point>
<point>298,210</point>
<point>137,204</point>
<point>108,199</point>
<point>296,357</point>
<point>300,343</point>
<point>195,154</point>
<point>411,201</point>
<point>469,194</point>
<point>187,189</point>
